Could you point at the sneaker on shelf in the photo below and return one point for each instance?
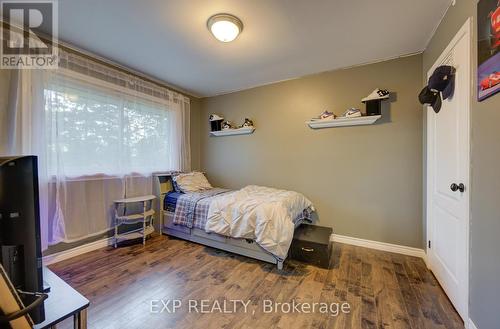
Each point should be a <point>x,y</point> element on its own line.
<point>376,94</point>
<point>226,125</point>
<point>215,117</point>
<point>324,116</point>
<point>352,113</point>
<point>247,123</point>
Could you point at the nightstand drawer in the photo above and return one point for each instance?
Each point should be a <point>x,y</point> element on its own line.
<point>311,244</point>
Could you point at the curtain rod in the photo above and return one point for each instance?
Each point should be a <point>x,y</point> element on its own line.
<point>107,62</point>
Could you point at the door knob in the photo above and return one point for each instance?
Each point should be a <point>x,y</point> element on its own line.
<point>460,187</point>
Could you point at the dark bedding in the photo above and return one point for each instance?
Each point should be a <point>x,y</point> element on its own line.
<point>170,200</point>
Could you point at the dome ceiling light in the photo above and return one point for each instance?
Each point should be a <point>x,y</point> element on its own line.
<point>225,27</point>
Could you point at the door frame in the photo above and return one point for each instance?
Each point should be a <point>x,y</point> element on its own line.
<point>465,31</point>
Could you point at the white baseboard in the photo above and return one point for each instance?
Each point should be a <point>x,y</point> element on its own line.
<point>471,325</point>
<point>66,254</point>
<point>410,251</point>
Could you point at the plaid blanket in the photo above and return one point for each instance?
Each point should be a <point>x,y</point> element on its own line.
<point>192,208</point>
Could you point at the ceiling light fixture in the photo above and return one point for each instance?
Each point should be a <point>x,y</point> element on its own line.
<point>225,27</point>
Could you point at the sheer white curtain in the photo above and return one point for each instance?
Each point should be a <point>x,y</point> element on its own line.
<point>99,134</point>
<point>24,132</point>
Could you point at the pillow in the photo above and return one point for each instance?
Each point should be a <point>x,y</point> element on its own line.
<point>192,182</point>
<point>174,184</point>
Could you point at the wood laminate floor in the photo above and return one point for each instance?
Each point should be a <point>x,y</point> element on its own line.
<point>384,290</point>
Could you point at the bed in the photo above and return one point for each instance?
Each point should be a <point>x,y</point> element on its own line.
<point>254,221</point>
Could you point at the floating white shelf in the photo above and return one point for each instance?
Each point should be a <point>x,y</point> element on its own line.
<point>343,122</point>
<point>230,132</point>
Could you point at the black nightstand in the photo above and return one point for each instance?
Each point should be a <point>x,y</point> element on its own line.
<point>311,244</point>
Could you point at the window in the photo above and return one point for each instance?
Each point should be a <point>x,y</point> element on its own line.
<point>96,129</point>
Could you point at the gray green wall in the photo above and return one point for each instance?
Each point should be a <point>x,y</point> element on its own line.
<point>485,179</point>
<point>365,181</point>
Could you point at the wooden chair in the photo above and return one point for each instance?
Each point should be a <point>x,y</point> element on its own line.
<point>13,313</point>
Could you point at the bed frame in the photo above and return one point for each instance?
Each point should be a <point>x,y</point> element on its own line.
<point>246,247</point>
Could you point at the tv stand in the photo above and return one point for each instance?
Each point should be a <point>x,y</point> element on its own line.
<point>46,287</point>
<point>62,303</point>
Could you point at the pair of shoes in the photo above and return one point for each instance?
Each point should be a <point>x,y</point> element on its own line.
<point>376,94</point>
<point>326,115</point>
<point>351,113</point>
<point>247,123</point>
<point>228,125</point>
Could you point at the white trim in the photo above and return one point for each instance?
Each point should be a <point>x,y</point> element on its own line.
<point>470,324</point>
<point>80,250</point>
<point>398,249</point>
<point>377,245</point>
<point>465,30</point>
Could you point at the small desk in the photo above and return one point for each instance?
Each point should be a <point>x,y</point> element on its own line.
<point>62,303</point>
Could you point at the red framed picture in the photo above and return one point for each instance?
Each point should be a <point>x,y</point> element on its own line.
<point>488,72</point>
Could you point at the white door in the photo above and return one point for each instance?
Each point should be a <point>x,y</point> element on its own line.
<point>448,160</point>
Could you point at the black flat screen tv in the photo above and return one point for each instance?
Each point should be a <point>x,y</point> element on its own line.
<point>20,246</point>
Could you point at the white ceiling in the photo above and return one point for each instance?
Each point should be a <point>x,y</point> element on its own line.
<point>168,39</point>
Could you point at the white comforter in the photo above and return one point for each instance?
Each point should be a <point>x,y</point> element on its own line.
<point>263,214</point>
